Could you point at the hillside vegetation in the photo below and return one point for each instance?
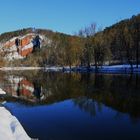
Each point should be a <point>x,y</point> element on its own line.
<point>118,44</point>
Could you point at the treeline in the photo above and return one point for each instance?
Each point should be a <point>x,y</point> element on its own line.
<point>8,35</point>
<point>124,40</point>
<point>118,44</point>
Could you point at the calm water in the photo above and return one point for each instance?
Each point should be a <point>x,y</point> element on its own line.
<point>60,106</point>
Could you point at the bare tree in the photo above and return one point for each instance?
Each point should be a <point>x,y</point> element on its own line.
<point>87,34</point>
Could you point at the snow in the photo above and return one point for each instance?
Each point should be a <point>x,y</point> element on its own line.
<point>13,55</point>
<point>105,69</point>
<point>10,49</point>
<point>2,92</point>
<point>54,68</point>
<point>101,69</point>
<point>30,34</point>
<point>10,127</point>
<point>119,69</point>
<point>20,68</point>
<point>13,39</point>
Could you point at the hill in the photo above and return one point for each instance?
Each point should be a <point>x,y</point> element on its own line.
<point>23,46</point>
<point>117,44</point>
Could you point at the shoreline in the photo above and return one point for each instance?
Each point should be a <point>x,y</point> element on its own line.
<point>101,69</point>
<point>19,68</point>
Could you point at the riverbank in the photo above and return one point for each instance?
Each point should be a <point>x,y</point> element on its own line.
<point>101,69</point>
<point>10,127</point>
<point>19,68</point>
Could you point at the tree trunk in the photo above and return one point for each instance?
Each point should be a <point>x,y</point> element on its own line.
<point>96,66</point>
<point>137,56</point>
<point>129,60</point>
<point>70,66</point>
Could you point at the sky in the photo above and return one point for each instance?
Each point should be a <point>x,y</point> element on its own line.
<point>67,16</point>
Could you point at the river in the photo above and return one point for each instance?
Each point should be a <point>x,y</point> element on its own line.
<point>73,106</point>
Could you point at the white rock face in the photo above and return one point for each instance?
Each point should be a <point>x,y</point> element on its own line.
<point>30,45</point>
<point>11,52</point>
<point>10,127</point>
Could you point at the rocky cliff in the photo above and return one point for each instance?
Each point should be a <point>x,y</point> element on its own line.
<point>19,47</point>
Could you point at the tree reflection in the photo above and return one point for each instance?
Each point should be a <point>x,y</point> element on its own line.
<point>37,89</point>
<point>87,105</point>
<point>120,92</point>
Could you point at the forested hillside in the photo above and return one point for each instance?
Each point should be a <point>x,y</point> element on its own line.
<point>124,40</point>
<point>118,44</point>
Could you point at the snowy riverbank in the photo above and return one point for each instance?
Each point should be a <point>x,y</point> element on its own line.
<point>19,68</point>
<point>10,127</point>
<point>101,69</point>
<point>119,69</point>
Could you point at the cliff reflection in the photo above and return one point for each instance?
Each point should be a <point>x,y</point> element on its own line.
<point>21,87</point>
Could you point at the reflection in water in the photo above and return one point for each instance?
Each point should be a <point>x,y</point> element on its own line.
<point>90,106</point>
<point>86,104</point>
<point>21,87</point>
<point>120,92</point>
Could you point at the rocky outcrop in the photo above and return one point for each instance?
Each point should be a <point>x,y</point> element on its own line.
<point>20,47</point>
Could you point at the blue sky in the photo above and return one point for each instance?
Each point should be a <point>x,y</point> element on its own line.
<point>66,16</point>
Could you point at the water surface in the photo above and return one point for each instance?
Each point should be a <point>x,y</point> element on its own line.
<point>62,106</point>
